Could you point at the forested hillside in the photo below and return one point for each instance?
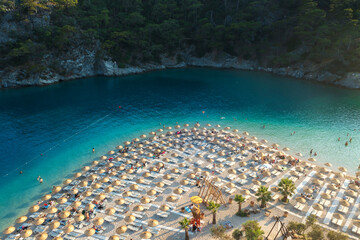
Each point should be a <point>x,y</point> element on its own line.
<point>276,33</point>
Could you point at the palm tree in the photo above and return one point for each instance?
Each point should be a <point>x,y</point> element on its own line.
<point>263,195</point>
<point>239,199</point>
<point>287,188</point>
<point>213,207</point>
<point>185,225</point>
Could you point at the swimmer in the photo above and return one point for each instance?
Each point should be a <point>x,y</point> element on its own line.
<point>315,154</point>
<point>346,144</point>
<point>38,178</point>
<point>20,172</point>
<point>339,139</point>
<point>350,140</point>
<point>41,180</point>
<point>93,150</point>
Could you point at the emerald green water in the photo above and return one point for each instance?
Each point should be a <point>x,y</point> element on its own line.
<point>65,121</point>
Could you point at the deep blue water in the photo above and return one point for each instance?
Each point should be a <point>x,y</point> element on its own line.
<point>54,128</point>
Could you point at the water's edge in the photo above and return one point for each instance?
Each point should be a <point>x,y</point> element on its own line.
<point>89,66</point>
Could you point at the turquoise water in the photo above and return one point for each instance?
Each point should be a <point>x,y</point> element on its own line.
<point>64,122</point>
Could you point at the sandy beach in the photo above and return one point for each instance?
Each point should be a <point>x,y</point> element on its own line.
<point>142,188</point>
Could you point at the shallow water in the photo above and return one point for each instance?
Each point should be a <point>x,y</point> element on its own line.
<point>53,129</point>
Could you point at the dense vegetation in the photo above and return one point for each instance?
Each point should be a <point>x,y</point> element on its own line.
<point>275,32</point>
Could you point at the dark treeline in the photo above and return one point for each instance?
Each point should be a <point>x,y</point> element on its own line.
<point>274,32</point>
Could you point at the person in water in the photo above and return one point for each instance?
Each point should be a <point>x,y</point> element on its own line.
<point>350,140</point>
<point>41,180</point>
<point>339,139</point>
<point>20,172</point>
<point>311,151</point>
<point>346,143</point>
<point>93,150</point>
<point>38,178</point>
<point>315,154</point>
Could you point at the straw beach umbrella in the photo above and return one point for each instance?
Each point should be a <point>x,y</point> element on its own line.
<point>26,233</point>
<point>164,208</point>
<point>342,169</point>
<point>39,221</point>
<point>9,230</point>
<point>42,236</point>
<point>146,235</point>
<point>34,208</point>
<point>130,218</point>
<point>89,232</point>
<point>325,196</point>
<point>120,201</point>
<point>145,200</point>
<point>64,214</point>
<point>121,230</point>
<point>54,224</point>
<point>68,228</point>
<point>114,237</point>
<point>98,221</point>
<point>110,211</point>
<point>318,207</point>
<point>160,184</point>
<point>21,219</point>
<point>300,200</point>
<point>79,218</point>
<point>153,223</point>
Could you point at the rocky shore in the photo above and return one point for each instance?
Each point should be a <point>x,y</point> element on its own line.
<point>83,63</point>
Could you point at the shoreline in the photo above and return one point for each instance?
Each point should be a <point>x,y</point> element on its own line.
<point>168,136</point>
<point>98,68</point>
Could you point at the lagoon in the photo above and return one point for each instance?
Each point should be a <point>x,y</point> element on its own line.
<point>50,131</point>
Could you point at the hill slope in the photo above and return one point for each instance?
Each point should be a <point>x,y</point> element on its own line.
<point>69,38</point>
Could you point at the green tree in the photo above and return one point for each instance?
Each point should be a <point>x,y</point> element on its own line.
<point>287,188</point>
<point>219,232</point>
<point>239,199</point>
<point>310,221</point>
<point>316,233</point>
<point>185,225</point>
<point>252,230</point>
<point>213,207</point>
<point>299,228</point>
<point>332,235</point>
<point>264,196</point>
<point>237,234</point>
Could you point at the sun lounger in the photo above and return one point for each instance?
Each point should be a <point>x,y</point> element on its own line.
<point>299,206</point>
<point>254,188</point>
<point>133,228</point>
<point>343,209</point>
<point>266,180</point>
<point>355,229</point>
<point>40,229</point>
<point>163,214</point>
<point>56,232</point>
<point>154,230</point>
<point>13,236</point>
<point>317,213</point>
<point>337,222</point>
<point>110,218</point>
<point>325,203</point>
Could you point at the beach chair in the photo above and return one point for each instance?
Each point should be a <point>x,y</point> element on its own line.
<point>343,209</point>
<point>254,188</point>
<point>163,214</point>
<point>355,229</point>
<point>133,228</point>
<point>154,230</point>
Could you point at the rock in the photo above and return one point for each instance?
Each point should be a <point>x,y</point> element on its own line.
<point>351,80</point>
